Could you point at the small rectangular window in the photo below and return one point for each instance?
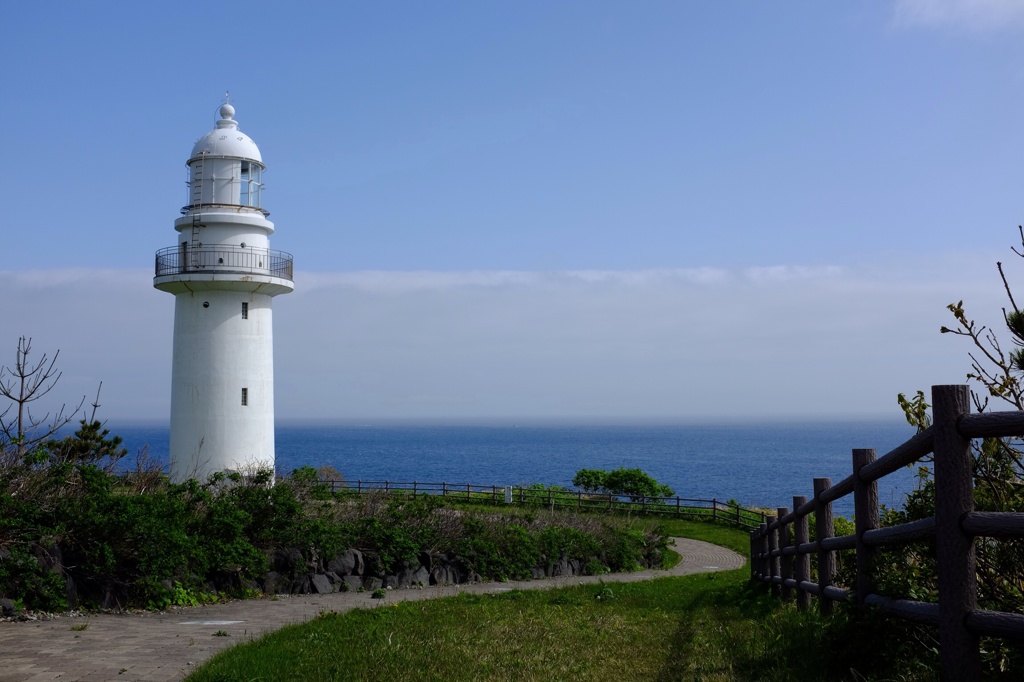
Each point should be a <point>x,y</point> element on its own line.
<point>245,311</point>
<point>245,396</point>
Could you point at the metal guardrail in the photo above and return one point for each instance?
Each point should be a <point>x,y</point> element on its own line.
<point>684,507</point>
<point>188,259</point>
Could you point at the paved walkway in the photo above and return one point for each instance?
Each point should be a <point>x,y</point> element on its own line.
<point>165,646</point>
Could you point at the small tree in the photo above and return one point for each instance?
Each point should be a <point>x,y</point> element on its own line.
<point>634,483</point>
<point>23,384</point>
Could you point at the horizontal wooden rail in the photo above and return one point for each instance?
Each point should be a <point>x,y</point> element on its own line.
<point>994,524</point>
<point>903,533</point>
<point>899,457</point>
<point>997,624</point>
<point>992,425</point>
<point>917,611</point>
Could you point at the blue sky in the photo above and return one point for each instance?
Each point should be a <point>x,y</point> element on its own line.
<point>566,209</point>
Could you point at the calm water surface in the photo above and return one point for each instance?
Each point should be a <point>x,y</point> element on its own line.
<point>763,464</point>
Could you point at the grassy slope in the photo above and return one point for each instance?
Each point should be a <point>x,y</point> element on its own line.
<point>703,627</point>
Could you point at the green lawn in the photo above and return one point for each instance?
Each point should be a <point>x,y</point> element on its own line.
<point>700,627</point>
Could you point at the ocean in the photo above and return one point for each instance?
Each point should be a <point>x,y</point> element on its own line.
<point>763,464</point>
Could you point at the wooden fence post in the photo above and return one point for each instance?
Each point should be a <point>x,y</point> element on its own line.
<point>773,561</point>
<point>959,652</point>
<point>785,562</point>
<point>802,562</point>
<point>753,554</point>
<point>359,487</point>
<point>865,505</point>
<point>764,565</point>
<point>824,528</point>
<point>714,509</point>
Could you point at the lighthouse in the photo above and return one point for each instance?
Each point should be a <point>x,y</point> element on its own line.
<point>224,277</point>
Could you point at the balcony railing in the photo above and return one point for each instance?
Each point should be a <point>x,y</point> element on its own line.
<point>187,259</point>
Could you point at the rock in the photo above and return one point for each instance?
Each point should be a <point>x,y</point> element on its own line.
<point>287,560</point>
<point>537,573</point>
<point>349,563</point>
<point>354,582</point>
<point>421,576</point>
<point>320,584</point>
<point>371,583</point>
<point>301,585</point>
<point>334,578</point>
<point>271,582</point>
<point>50,557</point>
<point>390,582</point>
<point>7,607</point>
<point>167,584</point>
<point>562,568</point>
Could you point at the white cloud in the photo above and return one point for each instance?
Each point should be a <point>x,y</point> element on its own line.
<point>969,14</point>
<point>684,343</point>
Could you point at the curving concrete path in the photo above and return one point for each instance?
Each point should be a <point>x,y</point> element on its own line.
<point>165,646</point>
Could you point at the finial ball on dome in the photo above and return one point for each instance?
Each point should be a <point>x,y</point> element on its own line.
<point>227,111</point>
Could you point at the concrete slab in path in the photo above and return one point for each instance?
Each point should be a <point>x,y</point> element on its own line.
<point>166,646</point>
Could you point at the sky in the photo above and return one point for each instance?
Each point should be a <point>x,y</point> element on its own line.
<point>561,210</point>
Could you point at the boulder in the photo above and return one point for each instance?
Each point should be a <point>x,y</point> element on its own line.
<point>372,583</point>
<point>272,583</point>
<point>354,582</point>
<point>334,578</point>
<point>321,584</point>
<point>7,607</point>
<point>390,582</point>
<point>342,564</point>
<point>301,585</point>
<point>421,577</point>
<point>287,560</point>
<point>537,572</point>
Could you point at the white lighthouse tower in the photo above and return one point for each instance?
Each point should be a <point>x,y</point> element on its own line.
<point>224,277</point>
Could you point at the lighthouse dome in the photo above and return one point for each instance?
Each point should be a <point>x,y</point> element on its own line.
<point>227,140</point>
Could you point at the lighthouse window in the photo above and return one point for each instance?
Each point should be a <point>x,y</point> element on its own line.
<point>252,175</point>
<point>245,397</point>
<point>245,310</point>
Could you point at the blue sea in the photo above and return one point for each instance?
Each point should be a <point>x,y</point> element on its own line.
<point>762,464</point>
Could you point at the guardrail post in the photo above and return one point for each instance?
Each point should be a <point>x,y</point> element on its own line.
<point>773,561</point>
<point>468,493</point>
<point>714,509</point>
<point>801,562</point>
<point>785,562</point>
<point>677,506</point>
<point>414,488</point>
<point>824,528</point>
<point>959,651</point>
<point>359,487</point>
<point>865,505</point>
<point>387,485</point>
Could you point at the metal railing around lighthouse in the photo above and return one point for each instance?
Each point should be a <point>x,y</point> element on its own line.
<point>186,258</point>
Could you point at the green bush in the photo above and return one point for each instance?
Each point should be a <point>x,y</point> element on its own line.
<point>635,483</point>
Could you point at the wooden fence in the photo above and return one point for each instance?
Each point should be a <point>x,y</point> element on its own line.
<point>780,550</point>
<point>682,507</point>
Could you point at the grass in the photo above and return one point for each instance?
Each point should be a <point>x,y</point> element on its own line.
<point>700,627</point>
